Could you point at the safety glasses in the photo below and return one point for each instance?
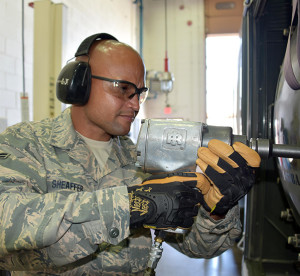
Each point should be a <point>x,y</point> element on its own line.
<point>125,89</point>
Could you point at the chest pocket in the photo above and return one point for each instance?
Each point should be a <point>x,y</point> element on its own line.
<point>65,173</point>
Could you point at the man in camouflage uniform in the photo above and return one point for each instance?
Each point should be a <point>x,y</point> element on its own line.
<point>65,209</point>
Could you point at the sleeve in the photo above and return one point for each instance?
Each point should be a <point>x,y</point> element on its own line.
<point>208,237</point>
<point>60,227</point>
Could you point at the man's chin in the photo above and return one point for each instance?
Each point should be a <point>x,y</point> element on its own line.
<point>121,131</point>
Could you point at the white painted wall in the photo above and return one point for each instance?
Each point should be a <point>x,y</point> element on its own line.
<point>186,51</point>
<point>83,18</point>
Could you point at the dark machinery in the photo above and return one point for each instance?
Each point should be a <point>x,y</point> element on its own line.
<point>270,111</point>
<point>287,131</point>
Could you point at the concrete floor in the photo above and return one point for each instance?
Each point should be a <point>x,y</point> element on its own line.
<point>176,264</point>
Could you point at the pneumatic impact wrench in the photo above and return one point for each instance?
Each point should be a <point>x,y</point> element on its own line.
<point>172,145</point>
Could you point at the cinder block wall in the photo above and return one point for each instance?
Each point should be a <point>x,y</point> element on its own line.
<point>83,18</point>
<point>11,84</point>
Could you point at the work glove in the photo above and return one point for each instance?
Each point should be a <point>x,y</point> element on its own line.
<point>168,201</point>
<point>230,173</point>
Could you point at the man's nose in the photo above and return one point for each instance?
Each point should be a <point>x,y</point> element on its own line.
<point>134,102</point>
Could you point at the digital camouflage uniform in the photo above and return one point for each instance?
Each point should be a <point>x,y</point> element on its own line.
<point>63,215</point>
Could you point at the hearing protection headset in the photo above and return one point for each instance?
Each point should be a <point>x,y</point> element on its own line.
<point>74,81</point>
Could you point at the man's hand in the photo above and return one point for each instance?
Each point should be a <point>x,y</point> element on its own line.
<point>230,174</point>
<point>164,202</point>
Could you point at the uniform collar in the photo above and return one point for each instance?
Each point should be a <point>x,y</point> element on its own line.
<point>65,137</point>
<point>63,134</point>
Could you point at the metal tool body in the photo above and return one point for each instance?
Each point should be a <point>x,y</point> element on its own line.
<point>171,145</point>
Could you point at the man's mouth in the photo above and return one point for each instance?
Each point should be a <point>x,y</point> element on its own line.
<point>128,117</point>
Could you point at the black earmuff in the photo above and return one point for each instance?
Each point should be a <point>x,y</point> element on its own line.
<point>74,81</point>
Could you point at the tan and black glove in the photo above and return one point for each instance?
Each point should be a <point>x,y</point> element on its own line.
<point>166,201</point>
<point>230,174</point>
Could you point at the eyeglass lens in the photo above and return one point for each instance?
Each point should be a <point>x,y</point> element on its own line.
<point>126,91</point>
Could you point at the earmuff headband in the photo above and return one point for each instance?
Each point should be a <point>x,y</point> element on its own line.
<point>86,44</point>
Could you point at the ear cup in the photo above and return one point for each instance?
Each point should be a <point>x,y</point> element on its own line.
<point>74,83</point>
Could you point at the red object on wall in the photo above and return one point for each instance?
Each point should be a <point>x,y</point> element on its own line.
<point>189,23</point>
<point>166,62</point>
<point>168,109</point>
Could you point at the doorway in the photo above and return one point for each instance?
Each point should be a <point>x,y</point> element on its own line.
<point>222,78</point>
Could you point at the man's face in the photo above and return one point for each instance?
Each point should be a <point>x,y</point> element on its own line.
<point>106,114</point>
